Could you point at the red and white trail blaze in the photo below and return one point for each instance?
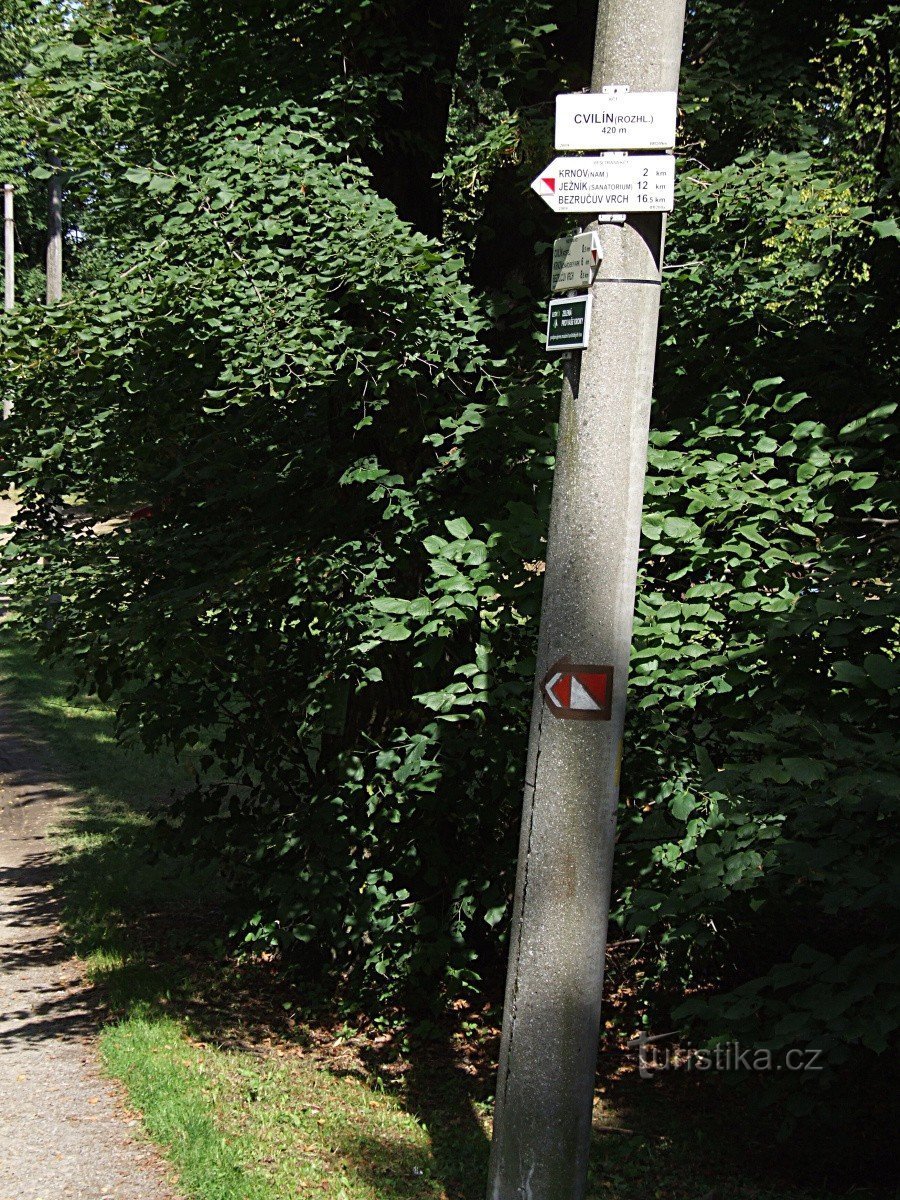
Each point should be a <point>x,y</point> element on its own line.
<point>579,691</point>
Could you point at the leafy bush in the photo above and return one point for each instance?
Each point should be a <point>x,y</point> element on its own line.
<point>297,605</point>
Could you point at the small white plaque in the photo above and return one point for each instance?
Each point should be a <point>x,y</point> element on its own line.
<point>575,262</point>
<point>616,120</point>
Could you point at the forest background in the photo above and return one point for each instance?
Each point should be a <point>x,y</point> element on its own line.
<point>297,377</point>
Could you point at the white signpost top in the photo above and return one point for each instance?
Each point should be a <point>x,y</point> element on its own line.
<point>609,183</point>
<point>618,120</point>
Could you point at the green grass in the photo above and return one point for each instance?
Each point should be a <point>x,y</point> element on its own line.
<point>78,732</point>
<point>237,1124</point>
<point>175,1088</point>
<point>248,1100</point>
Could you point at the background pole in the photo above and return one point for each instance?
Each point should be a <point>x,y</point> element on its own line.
<point>545,1086</point>
<point>9,268</point>
<point>54,235</point>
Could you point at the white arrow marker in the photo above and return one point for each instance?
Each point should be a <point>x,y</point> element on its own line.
<point>609,183</point>
<point>580,692</point>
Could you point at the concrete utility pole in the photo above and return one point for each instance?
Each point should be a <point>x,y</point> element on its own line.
<point>54,234</point>
<point>545,1087</point>
<point>9,267</point>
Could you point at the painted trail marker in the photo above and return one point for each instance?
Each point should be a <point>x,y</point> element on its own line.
<point>578,692</point>
<point>569,323</point>
<point>609,183</point>
<point>616,120</point>
<point>575,262</point>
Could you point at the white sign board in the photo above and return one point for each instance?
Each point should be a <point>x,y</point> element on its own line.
<point>616,121</point>
<point>609,183</point>
<point>575,262</point>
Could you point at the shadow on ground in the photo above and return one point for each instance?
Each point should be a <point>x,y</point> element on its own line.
<point>439,1091</point>
<point>35,1007</point>
<point>41,996</point>
<point>153,931</point>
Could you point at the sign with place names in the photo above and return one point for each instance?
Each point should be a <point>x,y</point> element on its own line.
<point>569,323</point>
<point>578,692</point>
<point>616,120</point>
<point>609,183</point>
<point>575,262</point>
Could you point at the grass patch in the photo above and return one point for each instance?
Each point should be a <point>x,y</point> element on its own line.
<point>238,1125</point>
<point>266,1121</point>
<point>79,732</point>
<point>174,1086</point>
<point>252,1102</point>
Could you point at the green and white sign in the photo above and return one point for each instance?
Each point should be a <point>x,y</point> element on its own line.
<point>569,323</point>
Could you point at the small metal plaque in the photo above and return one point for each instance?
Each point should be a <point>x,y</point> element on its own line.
<point>569,323</point>
<point>575,262</point>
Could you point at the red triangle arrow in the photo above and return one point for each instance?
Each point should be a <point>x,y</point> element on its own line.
<point>595,685</point>
<point>550,182</point>
<point>562,690</point>
<point>578,690</point>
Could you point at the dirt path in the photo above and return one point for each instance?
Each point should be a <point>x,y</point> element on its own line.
<point>64,1133</point>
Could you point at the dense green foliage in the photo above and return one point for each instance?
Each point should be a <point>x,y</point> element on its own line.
<point>300,338</point>
<point>24,134</point>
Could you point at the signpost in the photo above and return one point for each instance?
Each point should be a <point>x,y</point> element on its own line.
<point>575,262</point>
<point>569,323</point>
<point>609,183</point>
<point>551,1020</point>
<point>616,120</point>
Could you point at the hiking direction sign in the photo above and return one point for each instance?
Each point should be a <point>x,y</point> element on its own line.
<point>616,120</point>
<point>608,183</point>
<point>575,262</point>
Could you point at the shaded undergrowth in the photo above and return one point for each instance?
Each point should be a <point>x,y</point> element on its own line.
<point>255,1097</point>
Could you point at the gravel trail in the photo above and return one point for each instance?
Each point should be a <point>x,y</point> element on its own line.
<point>64,1131</point>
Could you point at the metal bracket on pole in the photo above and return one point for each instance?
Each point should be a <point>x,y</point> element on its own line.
<point>618,218</point>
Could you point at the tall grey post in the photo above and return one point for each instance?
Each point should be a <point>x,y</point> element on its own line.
<point>9,268</point>
<point>551,1027</point>
<point>54,235</point>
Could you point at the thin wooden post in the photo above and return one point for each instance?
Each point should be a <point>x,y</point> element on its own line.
<point>9,268</point>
